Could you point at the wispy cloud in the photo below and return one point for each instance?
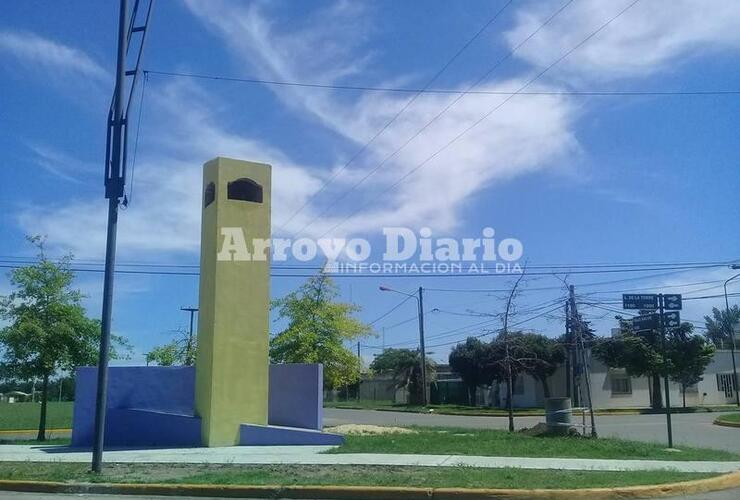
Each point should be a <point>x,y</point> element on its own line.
<point>59,163</point>
<point>164,216</point>
<point>34,51</point>
<point>649,38</point>
<point>526,136</point>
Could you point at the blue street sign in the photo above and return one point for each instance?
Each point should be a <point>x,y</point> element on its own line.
<point>671,319</point>
<point>639,301</point>
<point>646,322</point>
<point>672,301</point>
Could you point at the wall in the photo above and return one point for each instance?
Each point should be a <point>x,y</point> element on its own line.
<point>296,396</point>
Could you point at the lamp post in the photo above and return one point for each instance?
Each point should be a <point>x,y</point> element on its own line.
<point>419,296</point>
<point>732,336</point>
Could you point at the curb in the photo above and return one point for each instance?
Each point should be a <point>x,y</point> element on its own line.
<point>726,481</point>
<point>31,431</point>
<point>718,421</point>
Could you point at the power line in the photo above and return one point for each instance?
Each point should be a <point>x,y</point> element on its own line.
<point>390,311</point>
<point>495,66</point>
<point>386,275</point>
<point>370,88</point>
<point>489,113</point>
<point>130,196</point>
<point>397,115</point>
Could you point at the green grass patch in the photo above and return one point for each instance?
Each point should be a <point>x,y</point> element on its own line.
<point>456,441</point>
<point>341,475</point>
<point>22,416</point>
<point>729,418</point>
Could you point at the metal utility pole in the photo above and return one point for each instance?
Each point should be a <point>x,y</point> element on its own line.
<point>423,368</point>
<point>580,346</point>
<point>189,348</point>
<point>569,339</point>
<point>665,374</point>
<point>731,335</point>
<point>425,397</point>
<point>115,179</point>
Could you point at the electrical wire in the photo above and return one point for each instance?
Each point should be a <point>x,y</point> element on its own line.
<point>397,115</point>
<point>380,165</point>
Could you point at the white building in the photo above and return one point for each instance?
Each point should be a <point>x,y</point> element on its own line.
<point>613,388</point>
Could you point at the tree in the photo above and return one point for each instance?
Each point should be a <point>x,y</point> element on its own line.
<point>48,329</point>
<point>541,357</point>
<point>720,324</point>
<point>469,361</point>
<point>317,330</point>
<point>639,353</point>
<point>405,369</point>
<point>180,351</point>
<point>165,355</point>
<point>689,357</point>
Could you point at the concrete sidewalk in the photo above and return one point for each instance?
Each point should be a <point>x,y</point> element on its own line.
<point>312,455</point>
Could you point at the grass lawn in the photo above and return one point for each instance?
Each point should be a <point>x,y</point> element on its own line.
<point>730,418</point>
<point>22,416</point>
<point>344,475</point>
<point>440,441</point>
<point>483,411</point>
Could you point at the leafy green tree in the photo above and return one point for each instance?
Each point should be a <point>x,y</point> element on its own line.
<point>720,324</point>
<point>689,357</point>
<point>180,351</point>
<point>540,357</point>
<point>639,353</point>
<point>48,329</point>
<point>318,328</point>
<point>469,360</point>
<point>165,355</point>
<point>404,367</point>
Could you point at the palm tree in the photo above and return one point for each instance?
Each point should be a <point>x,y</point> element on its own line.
<point>404,368</point>
<point>720,324</point>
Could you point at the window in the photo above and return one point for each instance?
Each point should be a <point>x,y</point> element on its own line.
<point>209,195</point>
<point>725,384</point>
<point>245,190</point>
<point>621,384</point>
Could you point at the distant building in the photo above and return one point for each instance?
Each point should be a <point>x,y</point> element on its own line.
<point>610,388</point>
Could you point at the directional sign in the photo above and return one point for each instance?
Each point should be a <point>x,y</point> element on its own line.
<point>672,301</point>
<point>671,319</point>
<point>646,322</point>
<point>639,301</point>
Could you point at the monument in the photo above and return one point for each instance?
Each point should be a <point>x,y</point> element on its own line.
<point>234,304</point>
<point>232,396</point>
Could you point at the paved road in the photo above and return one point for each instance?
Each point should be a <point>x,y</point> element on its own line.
<point>689,429</point>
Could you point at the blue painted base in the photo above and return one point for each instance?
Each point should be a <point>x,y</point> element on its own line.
<point>154,406</point>
<point>147,428</point>
<point>272,435</point>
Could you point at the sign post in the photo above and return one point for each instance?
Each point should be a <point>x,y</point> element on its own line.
<point>661,321</point>
<point>665,374</point>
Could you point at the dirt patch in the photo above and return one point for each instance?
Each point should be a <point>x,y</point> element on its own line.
<point>368,430</point>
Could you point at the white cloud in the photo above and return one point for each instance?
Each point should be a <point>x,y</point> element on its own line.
<point>649,38</point>
<point>526,135</point>
<point>165,212</point>
<point>60,163</point>
<point>34,51</point>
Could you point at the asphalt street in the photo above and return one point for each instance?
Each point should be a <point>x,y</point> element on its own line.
<point>689,429</point>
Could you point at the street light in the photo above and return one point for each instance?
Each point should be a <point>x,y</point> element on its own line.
<point>732,336</point>
<point>420,301</point>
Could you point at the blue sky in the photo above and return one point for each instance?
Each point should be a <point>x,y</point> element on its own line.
<point>576,179</point>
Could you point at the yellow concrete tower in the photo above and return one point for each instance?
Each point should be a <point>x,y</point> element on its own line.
<point>231,381</point>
